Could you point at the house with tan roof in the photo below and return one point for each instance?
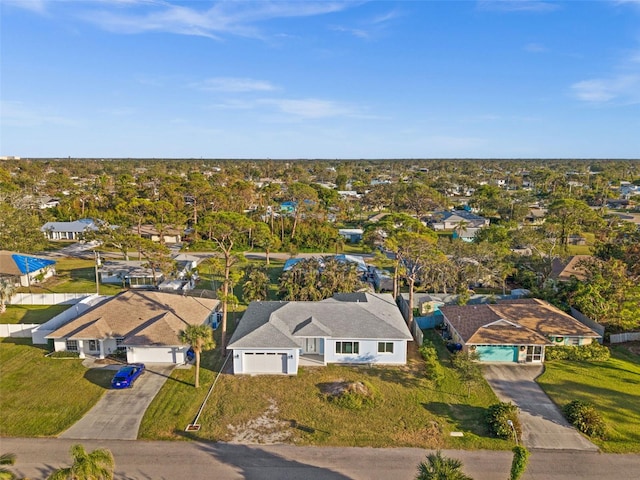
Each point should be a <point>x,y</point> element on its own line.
<point>514,330</point>
<point>25,270</point>
<point>565,270</point>
<point>145,324</point>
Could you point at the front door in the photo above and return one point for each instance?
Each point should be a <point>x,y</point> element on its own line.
<point>534,354</point>
<point>312,346</point>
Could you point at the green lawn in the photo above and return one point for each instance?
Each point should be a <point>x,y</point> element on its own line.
<point>73,275</point>
<point>35,390</point>
<point>31,313</point>
<point>613,386</point>
<point>408,410</point>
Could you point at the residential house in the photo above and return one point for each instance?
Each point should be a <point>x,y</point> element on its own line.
<point>25,270</point>
<point>144,324</point>
<point>150,232</point>
<point>563,270</point>
<point>68,230</point>
<point>451,220</point>
<point>516,331</point>
<point>352,235</point>
<point>354,328</point>
<point>129,273</point>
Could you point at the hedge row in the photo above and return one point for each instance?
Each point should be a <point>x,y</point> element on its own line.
<point>594,352</point>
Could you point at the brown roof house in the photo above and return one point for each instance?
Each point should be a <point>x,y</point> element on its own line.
<point>514,330</point>
<point>145,324</point>
<point>564,270</point>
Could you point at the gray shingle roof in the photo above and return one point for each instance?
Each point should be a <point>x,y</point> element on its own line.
<point>353,316</point>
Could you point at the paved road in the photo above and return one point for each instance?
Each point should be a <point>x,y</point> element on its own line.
<point>118,414</point>
<point>543,425</point>
<point>37,457</point>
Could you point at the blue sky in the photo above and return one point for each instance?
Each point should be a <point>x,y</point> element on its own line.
<point>330,79</point>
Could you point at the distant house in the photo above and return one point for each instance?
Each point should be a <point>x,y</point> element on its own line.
<point>25,270</point>
<point>356,259</point>
<point>516,331</point>
<point>352,235</point>
<point>68,230</point>
<point>451,220</point>
<point>288,207</point>
<point>150,232</point>
<point>565,270</point>
<point>129,273</point>
<point>143,324</point>
<point>536,215</point>
<point>355,328</point>
<point>466,235</point>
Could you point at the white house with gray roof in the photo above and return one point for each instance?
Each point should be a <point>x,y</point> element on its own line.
<point>355,328</point>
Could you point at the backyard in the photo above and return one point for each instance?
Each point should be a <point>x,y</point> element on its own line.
<point>31,313</point>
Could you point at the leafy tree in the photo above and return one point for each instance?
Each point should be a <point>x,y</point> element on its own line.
<point>7,459</point>
<point>305,198</point>
<point>200,337</point>
<point>226,230</point>
<point>97,465</point>
<point>7,290</point>
<point>20,229</point>
<point>256,285</point>
<point>608,295</point>
<point>439,467</point>
<point>570,216</point>
<point>157,257</point>
<point>262,237</point>
<point>118,237</point>
<point>466,365</point>
<point>316,279</point>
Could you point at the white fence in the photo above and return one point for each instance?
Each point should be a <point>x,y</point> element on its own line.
<point>17,330</point>
<point>592,324</point>
<point>56,322</point>
<point>47,298</point>
<point>624,337</point>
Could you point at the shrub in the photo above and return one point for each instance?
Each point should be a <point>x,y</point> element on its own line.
<point>585,417</point>
<point>519,462</point>
<point>434,370</point>
<point>353,396</point>
<point>594,352</point>
<point>498,416</point>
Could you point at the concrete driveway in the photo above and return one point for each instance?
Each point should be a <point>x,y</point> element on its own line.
<point>543,425</point>
<point>118,414</point>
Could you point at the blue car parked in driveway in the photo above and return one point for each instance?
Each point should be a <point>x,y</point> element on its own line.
<point>127,375</point>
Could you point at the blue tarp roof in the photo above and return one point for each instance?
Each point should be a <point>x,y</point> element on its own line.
<point>30,264</point>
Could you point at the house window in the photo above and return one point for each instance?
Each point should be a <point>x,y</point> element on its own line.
<point>119,344</point>
<point>94,346</point>
<point>385,347</point>
<point>346,348</point>
<point>72,345</point>
<point>573,341</point>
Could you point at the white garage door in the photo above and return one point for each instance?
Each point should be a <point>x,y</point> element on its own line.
<point>155,355</point>
<point>265,362</point>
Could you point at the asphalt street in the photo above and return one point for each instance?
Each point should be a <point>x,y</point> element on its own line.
<point>37,457</point>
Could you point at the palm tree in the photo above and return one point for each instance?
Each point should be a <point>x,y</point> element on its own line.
<point>7,459</point>
<point>200,337</point>
<point>439,467</point>
<point>97,465</point>
<point>7,289</point>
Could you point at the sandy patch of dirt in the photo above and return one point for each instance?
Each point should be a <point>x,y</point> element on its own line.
<point>340,386</point>
<point>265,429</point>
<point>633,347</point>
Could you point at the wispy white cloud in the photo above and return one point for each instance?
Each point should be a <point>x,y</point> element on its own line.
<point>234,85</point>
<point>310,107</point>
<point>37,6</point>
<point>624,88</point>
<point>356,32</point>
<point>18,114</point>
<point>221,19</point>
<point>517,6</point>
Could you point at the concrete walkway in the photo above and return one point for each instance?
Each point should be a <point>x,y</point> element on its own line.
<point>543,425</point>
<point>118,414</point>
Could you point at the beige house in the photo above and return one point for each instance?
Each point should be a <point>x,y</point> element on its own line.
<point>514,330</point>
<point>145,324</point>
